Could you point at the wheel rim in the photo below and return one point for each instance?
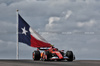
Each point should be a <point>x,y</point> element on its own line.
<point>33,55</point>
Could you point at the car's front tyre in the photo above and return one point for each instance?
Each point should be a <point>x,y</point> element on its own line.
<point>70,55</point>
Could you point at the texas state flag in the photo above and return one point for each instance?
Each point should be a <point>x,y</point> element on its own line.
<point>28,36</point>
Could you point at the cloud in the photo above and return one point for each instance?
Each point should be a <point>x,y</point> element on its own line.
<point>5,26</point>
<point>68,14</point>
<point>8,2</point>
<point>90,23</point>
<point>57,22</point>
<point>51,21</point>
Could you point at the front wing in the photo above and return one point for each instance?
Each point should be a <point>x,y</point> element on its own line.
<point>57,58</point>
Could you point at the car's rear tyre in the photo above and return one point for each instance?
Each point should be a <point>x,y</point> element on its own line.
<point>70,55</point>
<point>36,55</point>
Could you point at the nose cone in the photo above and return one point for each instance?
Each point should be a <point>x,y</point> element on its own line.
<point>61,57</point>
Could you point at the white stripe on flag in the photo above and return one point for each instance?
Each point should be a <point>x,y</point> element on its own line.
<point>36,35</point>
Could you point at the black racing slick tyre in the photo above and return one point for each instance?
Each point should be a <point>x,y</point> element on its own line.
<point>36,55</point>
<point>70,55</point>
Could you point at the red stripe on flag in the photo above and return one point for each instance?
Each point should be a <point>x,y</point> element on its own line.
<point>38,43</point>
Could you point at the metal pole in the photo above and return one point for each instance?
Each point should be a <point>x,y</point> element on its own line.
<point>17,44</point>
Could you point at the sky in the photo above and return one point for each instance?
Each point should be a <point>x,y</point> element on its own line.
<point>67,24</point>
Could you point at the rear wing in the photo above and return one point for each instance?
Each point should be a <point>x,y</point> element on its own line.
<point>42,48</point>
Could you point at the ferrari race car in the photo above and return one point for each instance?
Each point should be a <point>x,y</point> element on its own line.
<point>53,54</point>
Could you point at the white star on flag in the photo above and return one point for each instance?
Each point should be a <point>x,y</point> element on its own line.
<point>24,31</point>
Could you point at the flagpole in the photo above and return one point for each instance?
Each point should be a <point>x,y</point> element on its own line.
<point>17,44</point>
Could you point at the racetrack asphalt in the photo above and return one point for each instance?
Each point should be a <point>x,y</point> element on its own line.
<point>49,63</point>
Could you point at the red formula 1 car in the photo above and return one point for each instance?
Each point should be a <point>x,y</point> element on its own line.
<point>53,54</point>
